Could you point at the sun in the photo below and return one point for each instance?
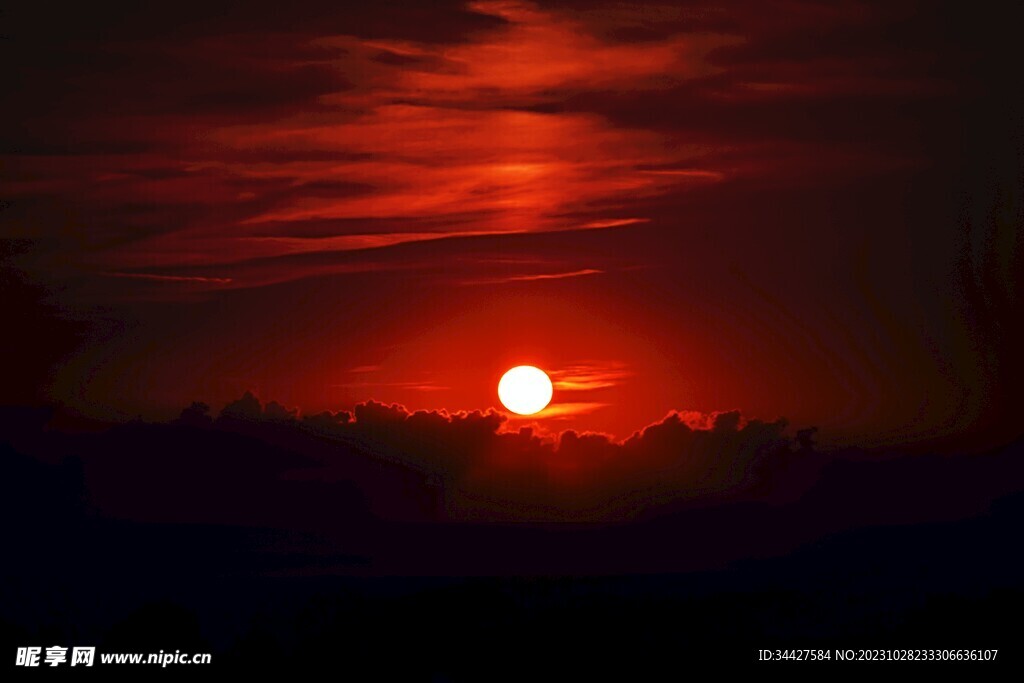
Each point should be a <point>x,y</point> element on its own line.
<point>525,390</point>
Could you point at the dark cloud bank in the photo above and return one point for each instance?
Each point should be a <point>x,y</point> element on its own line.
<point>433,544</point>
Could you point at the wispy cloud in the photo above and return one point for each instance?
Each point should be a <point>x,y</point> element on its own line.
<point>156,277</point>
<point>403,130</point>
<point>559,411</point>
<point>359,369</point>
<point>415,386</point>
<point>589,376</point>
<point>495,118</point>
<point>613,222</point>
<point>533,277</point>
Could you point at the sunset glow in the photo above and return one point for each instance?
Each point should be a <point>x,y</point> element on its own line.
<point>671,206</point>
<point>473,340</point>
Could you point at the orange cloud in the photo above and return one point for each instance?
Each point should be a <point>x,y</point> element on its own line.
<point>589,376</point>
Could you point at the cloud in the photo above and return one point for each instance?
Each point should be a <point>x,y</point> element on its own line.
<point>589,376</point>
<point>494,468</point>
<point>562,410</point>
<point>360,129</point>
<point>416,386</point>
<point>365,368</point>
<point>533,278</point>
<point>354,132</point>
<point>156,277</point>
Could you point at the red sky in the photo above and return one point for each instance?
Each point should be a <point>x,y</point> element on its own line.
<point>789,208</point>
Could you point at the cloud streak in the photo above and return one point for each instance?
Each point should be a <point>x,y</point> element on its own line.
<point>155,277</point>
<point>534,278</point>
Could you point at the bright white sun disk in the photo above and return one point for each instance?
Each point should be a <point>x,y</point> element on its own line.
<point>525,390</point>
